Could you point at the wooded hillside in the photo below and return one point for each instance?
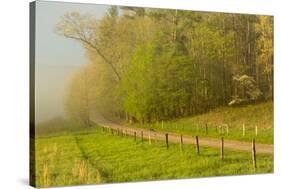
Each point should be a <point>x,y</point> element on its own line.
<point>154,64</point>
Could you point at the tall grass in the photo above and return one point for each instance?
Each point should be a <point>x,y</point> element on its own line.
<point>99,157</point>
<point>59,162</point>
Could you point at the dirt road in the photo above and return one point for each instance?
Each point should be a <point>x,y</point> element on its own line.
<point>175,138</point>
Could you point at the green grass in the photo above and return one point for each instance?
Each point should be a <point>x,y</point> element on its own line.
<point>57,127</point>
<point>94,156</point>
<point>260,115</point>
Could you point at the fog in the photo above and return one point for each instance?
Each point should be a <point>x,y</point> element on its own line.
<point>56,56</point>
<point>50,85</point>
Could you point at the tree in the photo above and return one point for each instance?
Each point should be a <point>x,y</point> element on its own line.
<point>265,49</point>
<point>83,29</point>
<point>246,90</point>
<point>137,85</point>
<point>78,102</point>
<point>154,64</point>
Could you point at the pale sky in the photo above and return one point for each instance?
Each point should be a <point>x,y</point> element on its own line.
<point>56,57</point>
<point>51,47</point>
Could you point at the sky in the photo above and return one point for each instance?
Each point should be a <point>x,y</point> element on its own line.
<point>56,57</point>
<point>51,47</point>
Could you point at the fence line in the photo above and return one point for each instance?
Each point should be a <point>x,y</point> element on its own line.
<point>122,133</point>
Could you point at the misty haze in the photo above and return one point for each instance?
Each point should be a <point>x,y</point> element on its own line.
<point>50,86</point>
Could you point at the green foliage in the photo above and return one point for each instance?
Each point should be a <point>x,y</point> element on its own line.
<point>138,83</point>
<point>156,64</point>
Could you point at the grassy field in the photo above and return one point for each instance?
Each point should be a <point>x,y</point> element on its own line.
<point>93,156</point>
<point>227,122</point>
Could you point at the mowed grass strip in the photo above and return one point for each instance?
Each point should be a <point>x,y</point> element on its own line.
<point>226,121</point>
<point>100,157</point>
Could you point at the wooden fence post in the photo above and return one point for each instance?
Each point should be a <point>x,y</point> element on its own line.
<point>243,127</point>
<point>256,130</point>
<point>222,146</point>
<point>254,154</point>
<point>111,131</point>
<point>103,129</point>
<point>135,134</point>
<point>181,144</point>
<point>197,145</point>
<point>206,128</point>
<point>227,130</point>
<point>141,136</point>
<point>167,140</point>
<point>220,129</point>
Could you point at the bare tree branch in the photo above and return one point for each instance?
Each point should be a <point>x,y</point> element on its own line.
<point>73,26</point>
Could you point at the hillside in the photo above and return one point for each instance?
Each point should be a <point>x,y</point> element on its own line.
<point>225,121</point>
